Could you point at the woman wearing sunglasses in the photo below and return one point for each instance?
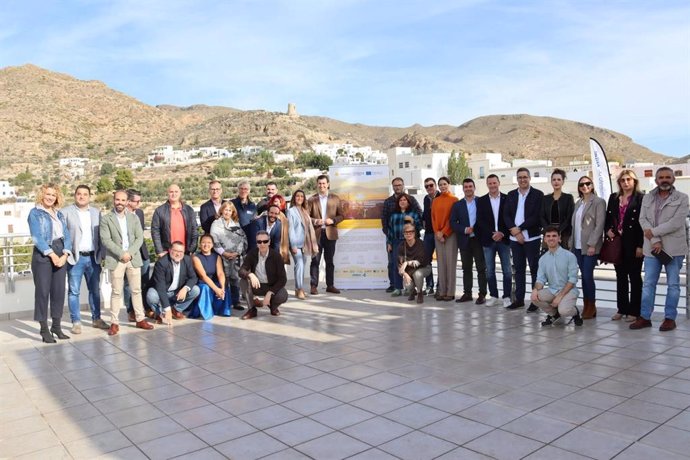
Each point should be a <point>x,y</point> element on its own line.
<point>587,238</point>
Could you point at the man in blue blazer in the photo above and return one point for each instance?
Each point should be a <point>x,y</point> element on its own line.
<point>522,217</point>
<point>463,219</point>
<point>208,210</point>
<point>271,224</point>
<point>493,235</point>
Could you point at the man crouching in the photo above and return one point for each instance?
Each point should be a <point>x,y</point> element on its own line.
<point>558,270</point>
<point>263,273</point>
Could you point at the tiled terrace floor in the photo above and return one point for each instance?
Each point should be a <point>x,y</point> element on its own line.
<point>350,376</point>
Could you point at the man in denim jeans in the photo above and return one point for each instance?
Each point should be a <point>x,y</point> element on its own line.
<point>83,222</point>
<point>662,218</point>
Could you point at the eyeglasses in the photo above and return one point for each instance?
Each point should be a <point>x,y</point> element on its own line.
<point>261,241</point>
<point>407,232</point>
<point>626,179</point>
<point>523,177</point>
<point>398,185</point>
<point>428,185</point>
<point>585,184</point>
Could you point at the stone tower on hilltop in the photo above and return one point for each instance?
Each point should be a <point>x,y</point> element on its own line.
<point>292,110</point>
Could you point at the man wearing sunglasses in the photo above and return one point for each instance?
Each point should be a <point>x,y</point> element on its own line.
<point>263,274</point>
<point>429,239</point>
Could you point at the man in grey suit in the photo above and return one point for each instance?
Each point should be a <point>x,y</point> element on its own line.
<point>85,260</point>
<point>122,236</point>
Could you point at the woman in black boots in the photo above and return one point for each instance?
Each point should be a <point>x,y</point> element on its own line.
<point>52,245</point>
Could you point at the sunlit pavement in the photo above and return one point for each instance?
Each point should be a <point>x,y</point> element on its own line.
<point>357,375</point>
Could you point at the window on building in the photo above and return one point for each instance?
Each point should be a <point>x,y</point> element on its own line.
<point>400,165</point>
<point>8,213</point>
<point>407,164</point>
<point>678,172</point>
<point>648,173</point>
<point>481,172</point>
<point>536,173</point>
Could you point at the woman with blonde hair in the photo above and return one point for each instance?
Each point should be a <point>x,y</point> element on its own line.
<point>230,242</point>
<point>587,238</point>
<point>622,221</point>
<point>446,241</point>
<point>52,246</point>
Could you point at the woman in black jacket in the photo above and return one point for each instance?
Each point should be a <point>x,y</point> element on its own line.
<point>622,221</point>
<point>557,207</point>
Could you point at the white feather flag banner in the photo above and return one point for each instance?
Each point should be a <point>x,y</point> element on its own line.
<point>600,170</point>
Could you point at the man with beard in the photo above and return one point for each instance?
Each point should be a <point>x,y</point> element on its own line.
<point>662,218</point>
<point>133,206</point>
<point>272,225</point>
<point>122,236</point>
<point>263,274</point>
<point>326,213</point>
<point>271,191</point>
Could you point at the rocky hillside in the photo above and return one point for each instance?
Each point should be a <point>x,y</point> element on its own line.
<point>45,115</point>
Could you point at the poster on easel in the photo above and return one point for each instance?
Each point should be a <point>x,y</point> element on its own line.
<point>361,261</point>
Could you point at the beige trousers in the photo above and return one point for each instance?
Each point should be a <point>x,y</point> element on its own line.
<point>565,308</point>
<point>117,279</point>
<point>447,261</point>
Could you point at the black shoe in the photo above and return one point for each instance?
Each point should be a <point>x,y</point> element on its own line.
<point>532,308</point>
<point>238,307</point>
<point>390,289</point>
<point>548,321</point>
<point>515,305</point>
<point>577,320</point>
<point>430,291</point>
<point>46,335</point>
<point>57,331</point>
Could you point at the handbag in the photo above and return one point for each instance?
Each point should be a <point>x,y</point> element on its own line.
<point>612,251</point>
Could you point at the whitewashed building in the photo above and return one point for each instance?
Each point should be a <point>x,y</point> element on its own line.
<point>6,190</point>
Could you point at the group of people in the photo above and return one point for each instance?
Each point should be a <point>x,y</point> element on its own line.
<point>244,247</point>
<point>560,239</point>
<point>241,252</point>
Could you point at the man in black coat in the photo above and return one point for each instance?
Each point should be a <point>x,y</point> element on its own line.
<point>173,286</point>
<point>272,225</point>
<point>263,273</point>
<point>522,217</point>
<point>208,210</point>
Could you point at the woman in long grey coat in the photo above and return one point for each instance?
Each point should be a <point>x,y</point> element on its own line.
<point>231,243</point>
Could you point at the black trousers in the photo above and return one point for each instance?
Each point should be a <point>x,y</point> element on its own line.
<point>49,282</point>
<point>327,248</point>
<point>629,285</point>
<point>473,254</point>
<point>277,298</point>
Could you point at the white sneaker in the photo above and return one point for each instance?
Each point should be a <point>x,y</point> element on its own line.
<point>76,328</point>
<point>506,302</point>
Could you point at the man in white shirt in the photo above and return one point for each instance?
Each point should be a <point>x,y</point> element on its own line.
<point>83,222</point>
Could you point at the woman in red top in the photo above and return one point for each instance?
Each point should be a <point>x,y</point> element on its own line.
<point>446,242</point>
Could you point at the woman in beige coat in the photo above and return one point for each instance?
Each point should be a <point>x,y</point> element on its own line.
<point>587,238</point>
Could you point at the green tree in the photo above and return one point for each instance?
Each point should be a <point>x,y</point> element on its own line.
<point>104,185</point>
<point>312,160</point>
<point>124,179</point>
<point>279,171</point>
<point>107,169</point>
<point>457,168</point>
<point>222,169</point>
<point>265,157</point>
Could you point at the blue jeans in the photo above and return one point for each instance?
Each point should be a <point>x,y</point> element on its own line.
<point>652,270</point>
<point>503,251</point>
<point>127,292</point>
<point>587,264</point>
<point>397,278</point>
<point>154,300</point>
<point>522,255</point>
<point>85,267</point>
<point>429,246</point>
<point>300,259</point>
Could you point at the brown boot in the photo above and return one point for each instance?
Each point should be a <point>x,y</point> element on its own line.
<point>589,311</point>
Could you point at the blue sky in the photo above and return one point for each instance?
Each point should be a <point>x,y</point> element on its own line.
<point>621,65</point>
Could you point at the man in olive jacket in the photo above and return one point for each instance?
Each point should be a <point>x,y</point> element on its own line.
<point>122,237</point>
<point>263,273</point>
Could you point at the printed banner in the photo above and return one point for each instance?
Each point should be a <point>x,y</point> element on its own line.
<point>600,170</point>
<point>361,260</point>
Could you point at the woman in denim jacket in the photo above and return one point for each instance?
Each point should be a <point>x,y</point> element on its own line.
<point>52,245</point>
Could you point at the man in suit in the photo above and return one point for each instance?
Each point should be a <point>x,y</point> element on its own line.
<point>326,213</point>
<point>271,224</point>
<point>522,217</point>
<point>174,220</point>
<point>429,238</point>
<point>84,261</point>
<point>463,220</point>
<point>493,235</point>
<point>263,273</point>
<point>122,236</point>
<point>173,287</point>
<point>133,204</point>
<point>208,210</point>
